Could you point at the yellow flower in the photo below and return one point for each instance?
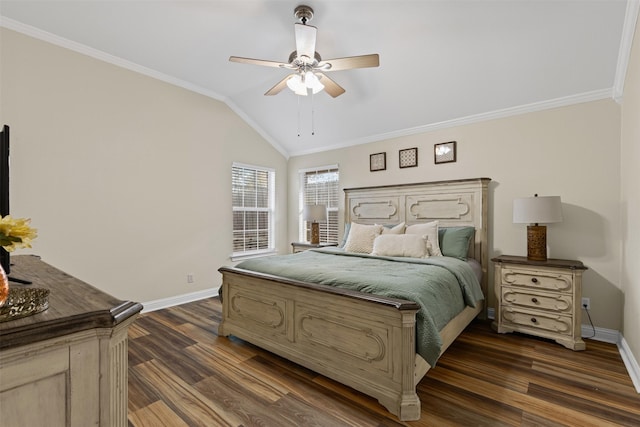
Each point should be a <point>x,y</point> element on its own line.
<point>16,233</point>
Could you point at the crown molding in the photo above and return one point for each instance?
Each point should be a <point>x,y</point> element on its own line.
<point>629,27</point>
<point>119,62</point>
<point>624,53</point>
<point>103,56</point>
<point>476,118</point>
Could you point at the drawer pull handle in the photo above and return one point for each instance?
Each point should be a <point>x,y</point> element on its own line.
<point>534,280</point>
<point>534,320</point>
<point>534,300</point>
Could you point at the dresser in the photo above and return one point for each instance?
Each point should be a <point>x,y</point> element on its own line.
<point>65,366</point>
<point>541,298</point>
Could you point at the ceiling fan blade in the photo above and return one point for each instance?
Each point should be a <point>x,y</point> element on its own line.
<point>277,88</point>
<point>331,87</point>
<point>305,40</point>
<point>257,62</point>
<point>350,62</point>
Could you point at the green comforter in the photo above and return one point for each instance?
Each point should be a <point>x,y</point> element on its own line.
<point>442,286</point>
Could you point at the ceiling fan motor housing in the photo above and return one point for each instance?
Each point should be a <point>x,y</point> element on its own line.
<point>303,13</point>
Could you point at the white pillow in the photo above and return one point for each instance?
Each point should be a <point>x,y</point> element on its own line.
<point>402,245</point>
<point>396,229</point>
<point>361,237</point>
<point>431,230</point>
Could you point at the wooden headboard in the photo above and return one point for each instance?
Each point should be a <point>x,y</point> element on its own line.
<point>453,203</point>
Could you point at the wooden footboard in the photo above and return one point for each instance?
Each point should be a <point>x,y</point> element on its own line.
<point>364,341</point>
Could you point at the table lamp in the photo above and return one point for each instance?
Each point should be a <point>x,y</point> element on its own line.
<point>532,211</point>
<point>315,213</point>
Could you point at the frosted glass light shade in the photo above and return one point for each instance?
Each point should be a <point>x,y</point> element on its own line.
<point>296,84</point>
<point>537,210</point>
<point>313,83</point>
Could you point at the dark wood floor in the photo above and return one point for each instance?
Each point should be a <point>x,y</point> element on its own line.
<point>182,374</point>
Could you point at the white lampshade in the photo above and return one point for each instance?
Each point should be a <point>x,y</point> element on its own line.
<point>535,210</point>
<point>314,213</point>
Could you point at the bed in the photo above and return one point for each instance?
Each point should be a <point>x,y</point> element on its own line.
<point>367,341</point>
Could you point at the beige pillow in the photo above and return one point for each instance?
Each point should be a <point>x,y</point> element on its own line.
<point>396,229</point>
<point>361,237</point>
<point>430,229</point>
<point>401,245</point>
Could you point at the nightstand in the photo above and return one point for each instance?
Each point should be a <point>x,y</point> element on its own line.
<point>541,298</point>
<point>303,246</point>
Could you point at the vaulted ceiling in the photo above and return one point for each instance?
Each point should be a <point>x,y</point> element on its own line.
<point>441,62</point>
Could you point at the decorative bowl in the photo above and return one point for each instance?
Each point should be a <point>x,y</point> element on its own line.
<point>23,302</point>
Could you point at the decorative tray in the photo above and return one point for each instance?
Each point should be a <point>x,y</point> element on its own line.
<point>23,302</point>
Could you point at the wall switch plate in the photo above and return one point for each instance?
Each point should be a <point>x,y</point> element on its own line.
<point>586,303</point>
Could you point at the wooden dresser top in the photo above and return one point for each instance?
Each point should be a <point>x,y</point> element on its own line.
<point>74,305</point>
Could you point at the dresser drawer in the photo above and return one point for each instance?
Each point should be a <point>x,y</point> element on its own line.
<point>557,302</point>
<point>555,323</point>
<point>546,279</point>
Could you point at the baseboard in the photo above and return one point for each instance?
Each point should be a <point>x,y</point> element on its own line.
<point>600,334</point>
<point>177,300</point>
<point>630,362</point>
<point>615,337</point>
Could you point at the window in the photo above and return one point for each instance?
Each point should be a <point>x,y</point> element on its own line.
<point>320,186</point>
<point>253,190</point>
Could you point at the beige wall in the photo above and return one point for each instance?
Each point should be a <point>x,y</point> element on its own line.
<point>572,152</point>
<point>630,215</point>
<point>126,178</point>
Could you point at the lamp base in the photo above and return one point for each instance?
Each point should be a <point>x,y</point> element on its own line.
<point>315,233</point>
<point>537,242</point>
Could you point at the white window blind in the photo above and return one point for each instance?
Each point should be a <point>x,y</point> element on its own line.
<point>253,190</point>
<point>320,186</point>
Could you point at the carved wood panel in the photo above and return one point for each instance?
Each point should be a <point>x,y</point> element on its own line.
<point>379,209</point>
<point>347,340</point>
<point>458,208</point>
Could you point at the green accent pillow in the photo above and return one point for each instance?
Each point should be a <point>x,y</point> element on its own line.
<point>454,241</point>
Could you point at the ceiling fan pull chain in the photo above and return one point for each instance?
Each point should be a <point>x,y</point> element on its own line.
<point>313,125</point>
<point>298,116</point>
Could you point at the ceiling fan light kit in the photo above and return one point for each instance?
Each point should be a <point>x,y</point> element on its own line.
<point>307,64</point>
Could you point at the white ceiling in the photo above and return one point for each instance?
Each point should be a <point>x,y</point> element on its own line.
<point>441,62</point>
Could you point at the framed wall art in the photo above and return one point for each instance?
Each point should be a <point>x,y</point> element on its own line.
<point>444,152</point>
<point>377,162</point>
<point>408,157</point>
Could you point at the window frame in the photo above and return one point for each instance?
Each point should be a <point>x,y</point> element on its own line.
<point>238,255</point>
<point>325,229</point>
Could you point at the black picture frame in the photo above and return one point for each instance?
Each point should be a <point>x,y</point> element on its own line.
<point>408,158</point>
<point>444,152</point>
<point>377,162</point>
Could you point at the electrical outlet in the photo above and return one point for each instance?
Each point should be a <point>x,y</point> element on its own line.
<point>586,303</point>
<point>189,277</point>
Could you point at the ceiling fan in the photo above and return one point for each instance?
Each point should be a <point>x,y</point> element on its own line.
<point>307,65</point>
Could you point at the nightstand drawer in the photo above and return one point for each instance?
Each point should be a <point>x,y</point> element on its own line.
<point>559,303</point>
<point>555,323</point>
<point>546,279</point>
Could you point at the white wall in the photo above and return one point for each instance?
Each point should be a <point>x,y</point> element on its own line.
<point>126,178</point>
<point>572,152</point>
<point>630,195</point>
